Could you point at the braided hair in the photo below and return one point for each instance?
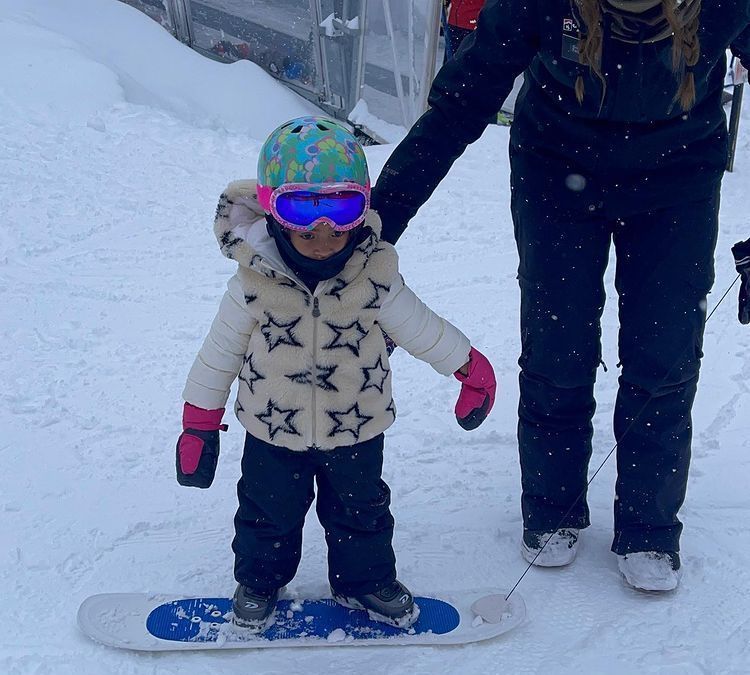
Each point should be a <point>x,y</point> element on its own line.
<point>685,48</point>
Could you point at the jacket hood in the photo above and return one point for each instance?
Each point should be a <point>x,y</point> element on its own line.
<point>240,229</point>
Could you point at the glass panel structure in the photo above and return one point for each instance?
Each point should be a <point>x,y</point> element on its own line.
<point>278,35</point>
<point>340,54</point>
<point>158,10</point>
<point>401,56</point>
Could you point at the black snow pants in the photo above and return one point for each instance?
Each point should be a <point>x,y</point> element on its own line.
<point>663,274</point>
<point>276,491</point>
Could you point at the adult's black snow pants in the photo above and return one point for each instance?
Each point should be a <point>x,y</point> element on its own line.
<point>275,493</point>
<point>664,271</point>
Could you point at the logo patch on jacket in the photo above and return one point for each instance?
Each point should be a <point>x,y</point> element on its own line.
<point>571,38</point>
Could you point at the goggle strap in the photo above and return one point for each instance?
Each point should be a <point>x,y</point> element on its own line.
<point>264,197</point>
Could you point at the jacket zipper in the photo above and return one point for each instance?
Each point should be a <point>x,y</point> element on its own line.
<point>313,373</point>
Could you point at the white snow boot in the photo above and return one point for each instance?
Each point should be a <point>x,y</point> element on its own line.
<point>560,549</point>
<point>651,570</point>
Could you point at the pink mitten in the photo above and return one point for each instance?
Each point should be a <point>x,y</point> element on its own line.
<point>477,391</point>
<point>198,446</point>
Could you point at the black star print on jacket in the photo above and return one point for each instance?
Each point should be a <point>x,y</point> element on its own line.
<point>325,373</point>
<point>338,286</point>
<point>249,375</point>
<point>380,291</point>
<point>375,376</point>
<point>278,420</point>
<point>392,408</point>
<point>323,378</point>
<point>346,337</point>
<point>347,421</point>
<point>280,333</point>
<point>303,377</point>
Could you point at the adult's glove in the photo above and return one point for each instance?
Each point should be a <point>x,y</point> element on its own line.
<point>741,253</point>
<point>477,391</point>
<point>198,446</point>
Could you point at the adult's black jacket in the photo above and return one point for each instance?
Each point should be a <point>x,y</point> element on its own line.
<point>633,145</point>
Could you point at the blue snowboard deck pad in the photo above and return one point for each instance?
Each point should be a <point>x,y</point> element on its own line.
<point>210,620</point>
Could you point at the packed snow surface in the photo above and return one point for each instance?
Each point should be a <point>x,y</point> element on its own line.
<point>116,142</point>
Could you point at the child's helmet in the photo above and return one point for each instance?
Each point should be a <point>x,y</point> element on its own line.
<point>311,150</point>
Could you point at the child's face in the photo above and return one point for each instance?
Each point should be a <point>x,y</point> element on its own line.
<point>319,243</point>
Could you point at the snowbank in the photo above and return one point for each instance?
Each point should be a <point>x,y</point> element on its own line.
<point>79,56</point>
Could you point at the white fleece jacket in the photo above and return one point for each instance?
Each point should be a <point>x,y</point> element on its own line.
<point>313,367</point>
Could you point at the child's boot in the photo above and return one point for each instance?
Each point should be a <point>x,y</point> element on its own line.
<point>252,608</point>
<point>393,604</point>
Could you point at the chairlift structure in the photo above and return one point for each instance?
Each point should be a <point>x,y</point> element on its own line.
<point>370,62</point>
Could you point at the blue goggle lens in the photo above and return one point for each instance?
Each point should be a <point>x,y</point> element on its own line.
<point>304,208</point>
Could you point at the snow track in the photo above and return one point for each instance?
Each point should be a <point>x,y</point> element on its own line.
<point>110,275</point>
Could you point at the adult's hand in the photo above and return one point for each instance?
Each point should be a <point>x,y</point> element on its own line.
<point>741,253</point>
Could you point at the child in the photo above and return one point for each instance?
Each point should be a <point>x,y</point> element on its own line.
<point>300,325</point>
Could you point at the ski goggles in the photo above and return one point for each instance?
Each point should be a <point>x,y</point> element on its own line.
<point>302,206</point>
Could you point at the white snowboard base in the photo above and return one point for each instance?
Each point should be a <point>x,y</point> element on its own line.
<point>119,620</point>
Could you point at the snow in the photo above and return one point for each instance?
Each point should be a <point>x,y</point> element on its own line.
<point>84,55</point>
<point>117,141</point>
<point>338,635</point>
<point>379,129</point>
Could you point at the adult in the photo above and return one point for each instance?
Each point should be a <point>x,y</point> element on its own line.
<point>619,136</point>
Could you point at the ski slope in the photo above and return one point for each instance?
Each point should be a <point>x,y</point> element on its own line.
<point>116,142</point>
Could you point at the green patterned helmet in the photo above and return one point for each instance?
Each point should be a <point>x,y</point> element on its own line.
<point>310,150</point>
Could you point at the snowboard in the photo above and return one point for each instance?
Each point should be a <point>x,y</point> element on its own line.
<point>143,622</point>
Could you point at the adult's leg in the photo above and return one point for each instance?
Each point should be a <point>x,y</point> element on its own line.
<point>274,492</point>
<point>353,507</point>
<point>665,269</point>
<point>563,255</point>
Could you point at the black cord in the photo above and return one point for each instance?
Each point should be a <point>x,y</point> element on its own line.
<point>614,447</point>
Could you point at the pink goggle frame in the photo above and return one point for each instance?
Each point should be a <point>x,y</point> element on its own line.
<point>268,198</point>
